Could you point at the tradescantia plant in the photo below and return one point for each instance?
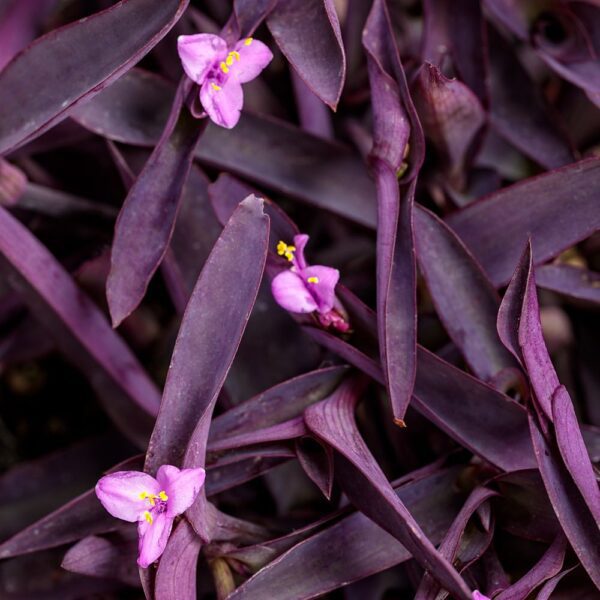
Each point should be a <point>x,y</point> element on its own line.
<point>199,403</point>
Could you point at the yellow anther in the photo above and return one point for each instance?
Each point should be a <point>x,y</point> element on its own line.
<point>148,517</point>
<point>224,68</point>
<point>284,250</point>
<point>144,495</point>
<point>313,280</point>
<point>163,496</point>
<point>229,60</point>
<point>248,41</point>
<point>215,87</point>
<point>235,54</point>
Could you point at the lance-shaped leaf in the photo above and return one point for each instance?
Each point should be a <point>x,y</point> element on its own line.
<point>465,300</point>
<point>548,566</point>
<point>452,116</point>
<point>572,282</point>
<point>428,588</point>
<point>548,588</point>
<point>367,487</point>
<point>308,33</point>
<point>573,449</point>
<point>518,112</point>
<point>147,218</point>
<point>275,154</point>
<point>556,209</point>
<point>288,430</point>
<point>81,330</point>
<point>394,124</point>
<point>484,419</point>
<point>277,404</point>
<point>110,557</point>
<point>578,523</point>
<point>77,61</point>
<point>176,575</point>
<point>353,548</point>
<point>210,333</point>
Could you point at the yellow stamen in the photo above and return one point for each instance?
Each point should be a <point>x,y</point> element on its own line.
<point>284,250</point>
<point>313,280</point>
<point>224,68</point>
<point>215,87</point>
<point>247,41</point>
<point>229,60</point>
<point>148,517</point>
<point>163,496</point>
<point>235,54</point>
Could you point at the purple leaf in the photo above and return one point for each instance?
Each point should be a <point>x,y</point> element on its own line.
<point>112,557</point>
<point>548,566</point>
<point>428,588</point>
<point>308,33</point>
<point>452,118</point>
<point>465,300</point>
<point>212,327</point>
<point>578,523</point>
<point>313,115</point>
<point>573,449</point>
<point>354,547</point>
<point>80,329</point>
<point>147,218</point>
<point>288,430</point>
<point>533,208</point>
<point>279,403</point>
<point>176,575</point>
<point>474,422</point>
<point>572,282</point>
<point>367,487</point>
<point>62,68</point>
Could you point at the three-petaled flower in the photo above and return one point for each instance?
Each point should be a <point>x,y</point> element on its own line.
<point>307,288</point>
<point>152,503</point>
<point>220,72</point>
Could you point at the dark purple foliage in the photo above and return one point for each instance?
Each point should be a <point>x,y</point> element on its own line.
<point>428,426</point>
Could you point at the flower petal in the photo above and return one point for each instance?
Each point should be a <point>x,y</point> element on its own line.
<point>120,492</point>
<point>181,486</point>
<point>153,538</point>
<point>321,282</point>
<point>199,53</point>
<point>290,292</point>
<point>222,101</point>
<point>300,242</point>
<point>477,595</point>
<point>254,56</point>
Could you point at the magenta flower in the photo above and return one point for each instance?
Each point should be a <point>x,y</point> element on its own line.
<point>152,503</point>
<point>308,289</point>
<point>477,595</point>
<point>220,72</point>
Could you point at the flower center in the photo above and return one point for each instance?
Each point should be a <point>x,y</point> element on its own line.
<point>284,250</point>
<point>158,504</point>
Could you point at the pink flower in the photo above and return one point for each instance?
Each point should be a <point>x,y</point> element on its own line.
<point>307,289</point>
<point>477,595</point>
<point>152,503</point>
<point>220,72</point>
